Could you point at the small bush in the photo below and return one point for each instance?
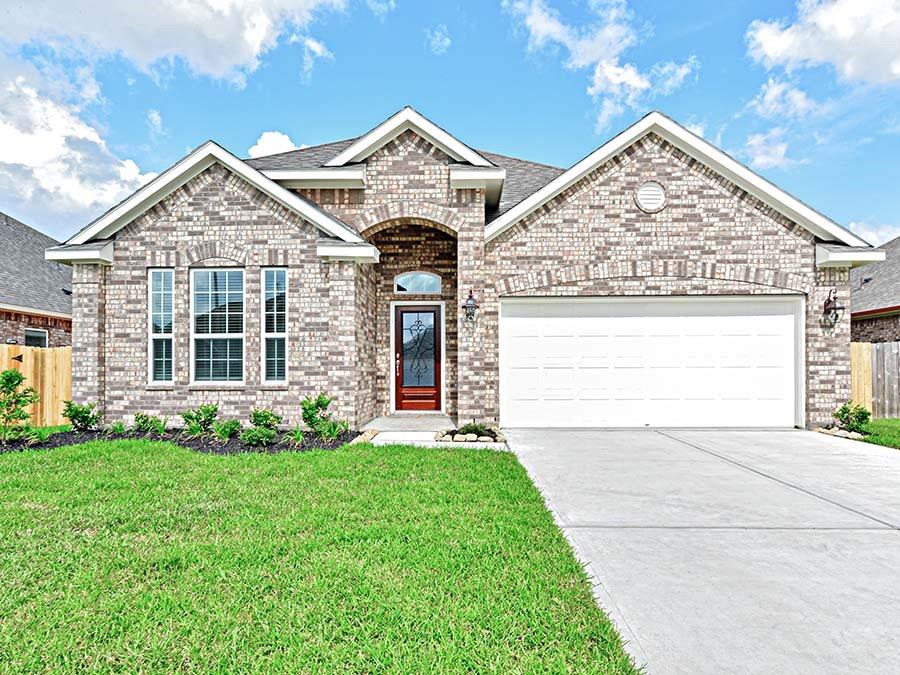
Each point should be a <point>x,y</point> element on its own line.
<point>265,418</point>
<point>476,428</point>
<point>14,399</point>
<point>329,430</point>
<point>201,419</point>
<point>314,409</point>
<point>150,424</point>
<point>258,436</point>
<point>193,430</point>
<point>853,417</point>
<point>116,429</point>
<point>82,417</point>
<point>226,429</point>
<point>295,436</point>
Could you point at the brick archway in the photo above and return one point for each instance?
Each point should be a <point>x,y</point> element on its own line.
<point>215,249</point>
<point>423,213</point>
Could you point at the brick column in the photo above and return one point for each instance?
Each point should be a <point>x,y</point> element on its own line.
<point>342,347</point>
<point>89,334</point>
<point>827,348</point>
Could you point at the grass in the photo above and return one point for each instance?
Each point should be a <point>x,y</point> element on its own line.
<point>138,556</point>
<point>884,432</point>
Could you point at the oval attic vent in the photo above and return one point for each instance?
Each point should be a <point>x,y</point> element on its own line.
<point>650,196</point>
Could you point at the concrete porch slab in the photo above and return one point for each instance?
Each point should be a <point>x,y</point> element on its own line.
<point>412,422</point>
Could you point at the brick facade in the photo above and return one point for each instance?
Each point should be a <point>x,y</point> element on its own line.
<point>13,325</point>
<point>876,329</point>
<point>712,238</point>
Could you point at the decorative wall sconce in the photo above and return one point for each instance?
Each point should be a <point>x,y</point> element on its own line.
<point>832,312</point>
<point>470,306</point>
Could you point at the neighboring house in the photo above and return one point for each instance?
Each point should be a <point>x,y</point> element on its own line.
<point>35,294</point>
<point>655,282</point>
<point>875,303</point>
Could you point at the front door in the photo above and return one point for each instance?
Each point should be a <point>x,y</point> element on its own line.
<point>417,357</point>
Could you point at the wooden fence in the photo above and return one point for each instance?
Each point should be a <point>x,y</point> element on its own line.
<point>875,377</point>
<point>49,371</point>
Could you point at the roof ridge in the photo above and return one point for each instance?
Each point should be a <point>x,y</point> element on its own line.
<point>308,147</point>
<point>522,159</point>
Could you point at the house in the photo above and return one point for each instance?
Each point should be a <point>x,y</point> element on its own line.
<point>875,303</point>
<point>35,294</point>
<point>655,282</point>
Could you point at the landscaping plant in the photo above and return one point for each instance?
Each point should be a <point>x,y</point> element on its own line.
<point>258,437</point>
<point>201,420</point>
<point>314,410</point>
<point>226,429</point>
<point>82,417</point>
<point>150,424</point>
<point>263,417</point>
<point>295,436</point>
<point>39,435</point>
<point>14,399</point>
<point>116,429</point>
<point>473,427</point>
<point>853,417</point>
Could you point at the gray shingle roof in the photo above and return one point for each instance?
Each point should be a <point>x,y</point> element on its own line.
<point>523,178</point>
<point>26,279</point>
<point>883,289</point>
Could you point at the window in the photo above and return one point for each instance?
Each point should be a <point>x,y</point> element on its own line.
<point>161,295</point>
<point>417,282</point>
<point>274,307</point>
<point>218,325</point>
<point>35,337</point>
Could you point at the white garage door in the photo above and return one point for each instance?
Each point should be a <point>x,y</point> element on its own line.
<point>616,362</point>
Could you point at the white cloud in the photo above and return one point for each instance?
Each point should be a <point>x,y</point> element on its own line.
<point>54,166</point>
<point>698,128</point>
<point>769,150</point>
<point>600,47</point>
<point>381,7</point>
<point>438,39</point>
<point>270,143</point>
<point>876,234</point>
<point>859,38</point>
<point>154,121</point>
<point>219,38</point>
<point>313,50</point>
<point>780,99</point>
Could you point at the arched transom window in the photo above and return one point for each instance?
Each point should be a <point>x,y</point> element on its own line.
<point>417,282</point>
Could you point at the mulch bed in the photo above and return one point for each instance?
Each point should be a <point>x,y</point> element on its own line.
<point>207,445</point>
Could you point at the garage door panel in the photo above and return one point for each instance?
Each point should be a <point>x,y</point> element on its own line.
<point>649,362</point>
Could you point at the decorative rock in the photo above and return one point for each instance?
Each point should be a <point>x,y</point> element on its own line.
<point>365,437</point>
<point>501,438</point>
<point>459,438</point>
<point>485,439</point>
<point>856,436</point>
<point>841,433</point>
<point>447,437</point>
<point>439,436</point>
<point>471,437</point>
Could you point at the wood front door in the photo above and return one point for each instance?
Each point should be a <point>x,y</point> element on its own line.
<point>417,357</point>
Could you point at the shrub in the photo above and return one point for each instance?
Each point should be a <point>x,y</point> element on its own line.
<point>39,435</point>
<point>473,427</point>
<point>193,430</point>
<point>150,424</point>
<point>14,399</point>
<point>263,417</point>
<point>330,429</point>
<point>226,429</point>
<point>258,436</point>
<point>201,419</point>
<point>82,417</point>
<point>852,417</point>
<point>116,429</point>
<point>314,409</point>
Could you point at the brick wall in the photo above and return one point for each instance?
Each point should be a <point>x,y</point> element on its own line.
<point>876,329</point>
<point>13,325</point>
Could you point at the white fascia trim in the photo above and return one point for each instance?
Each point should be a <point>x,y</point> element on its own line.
<point>189,167</point>
<point>828,258</point>
<point>396,125</point>
<point>361,253</point>
<point>696,147</point>
<point>102,255</point>
<point>489,179</point>
<point>21,309</point>
<point>347,177</point>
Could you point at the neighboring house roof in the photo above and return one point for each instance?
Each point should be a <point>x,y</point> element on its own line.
<point>701,150</point>
<point>27,281</point>
<point>876,288</point>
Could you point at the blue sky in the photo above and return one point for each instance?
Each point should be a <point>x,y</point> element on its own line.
<point>97,98</point>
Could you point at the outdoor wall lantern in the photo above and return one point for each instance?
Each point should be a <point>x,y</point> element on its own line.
<point>471,308</point>
<point>831,310</point>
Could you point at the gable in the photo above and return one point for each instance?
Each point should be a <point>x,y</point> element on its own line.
<point>699,150</point>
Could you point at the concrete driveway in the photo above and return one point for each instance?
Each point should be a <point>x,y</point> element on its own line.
<point>733,551</point>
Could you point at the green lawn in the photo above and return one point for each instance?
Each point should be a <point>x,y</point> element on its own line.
<point>884,432</point>
<point>141,556</point>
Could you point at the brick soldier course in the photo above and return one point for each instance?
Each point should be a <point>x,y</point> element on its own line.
<point>713,238</point>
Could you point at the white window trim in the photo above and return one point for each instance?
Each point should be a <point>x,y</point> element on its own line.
<point>262,326</point>
<point>39,330</point>
<point>150,334</point>
<point>219,336</point>
<point>430,274</point>
<point>390,361</point>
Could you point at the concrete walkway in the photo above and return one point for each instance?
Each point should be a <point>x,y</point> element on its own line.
<point>733,551</point>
